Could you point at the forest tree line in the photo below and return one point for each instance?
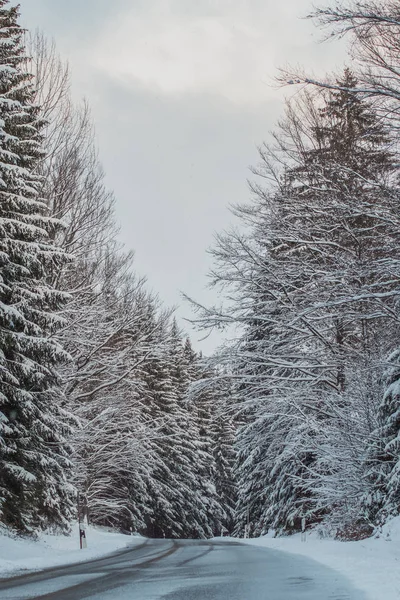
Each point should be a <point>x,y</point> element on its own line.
<point>95,373</point>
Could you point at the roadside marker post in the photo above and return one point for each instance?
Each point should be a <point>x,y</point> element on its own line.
<point>81,521</point>
<point>82,536</point>
<point>303,529</point>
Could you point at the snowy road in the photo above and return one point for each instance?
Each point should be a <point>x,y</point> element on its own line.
<point>186,570</point>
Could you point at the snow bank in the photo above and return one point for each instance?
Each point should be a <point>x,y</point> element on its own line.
<point>373,565</point>
<point>18,554</point>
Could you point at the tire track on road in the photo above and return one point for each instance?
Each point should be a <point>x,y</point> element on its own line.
<point>210,548</point>
<point>105,581</point>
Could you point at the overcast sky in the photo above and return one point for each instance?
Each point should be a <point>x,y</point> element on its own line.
<point>181,93</point>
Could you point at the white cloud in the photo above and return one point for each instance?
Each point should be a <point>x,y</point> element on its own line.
<point>225,48</point>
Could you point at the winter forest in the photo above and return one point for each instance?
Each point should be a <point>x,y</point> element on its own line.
<point>105,404</point>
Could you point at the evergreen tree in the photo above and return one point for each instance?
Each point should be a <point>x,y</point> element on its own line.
<point>34,455</point>
<point>223,439</point>
<point>204,401</point>
<point>180,481</point>
<point>382,496</point>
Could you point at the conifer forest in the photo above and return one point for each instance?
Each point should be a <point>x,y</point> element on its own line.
<point>104,400</point>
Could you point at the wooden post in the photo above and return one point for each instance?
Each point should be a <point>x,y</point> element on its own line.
<point>303,529</point>
<point>82,507</point>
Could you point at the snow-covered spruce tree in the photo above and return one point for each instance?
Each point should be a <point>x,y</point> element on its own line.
<point>224,454</point>
<point>160,400</point>
<point>183,502</point>
<point>382,496</point>
<point>203,400</point>
<point>200,507</point>
<point>34,468</point>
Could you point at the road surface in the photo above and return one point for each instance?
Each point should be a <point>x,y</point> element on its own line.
<point>186,570</point>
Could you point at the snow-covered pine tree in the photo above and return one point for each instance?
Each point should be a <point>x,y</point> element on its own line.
<point>224,454</point>
<point>34,468</point>
<point>190,469</point>
<point>202,401</point>
<point>172,483</point>
<point>183,500</point>
<point>382,463</point>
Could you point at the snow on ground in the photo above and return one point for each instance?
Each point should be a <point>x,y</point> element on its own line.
<point>17,555</point>
<point>373,564</point>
